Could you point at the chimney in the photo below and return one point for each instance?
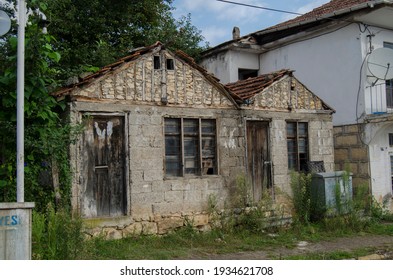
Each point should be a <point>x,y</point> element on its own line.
<point>235,33</point>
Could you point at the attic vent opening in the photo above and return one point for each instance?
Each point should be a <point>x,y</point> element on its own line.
<point>157,62</point>
<point>170,64</point>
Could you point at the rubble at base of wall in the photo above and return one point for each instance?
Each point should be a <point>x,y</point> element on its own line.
<point>160,225</point>
<point>157,225</point>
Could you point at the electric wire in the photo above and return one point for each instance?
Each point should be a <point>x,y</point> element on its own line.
<point>260,7</point>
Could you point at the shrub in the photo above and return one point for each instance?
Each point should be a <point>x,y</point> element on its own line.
<point>56,235</point>
<point>301,191</point>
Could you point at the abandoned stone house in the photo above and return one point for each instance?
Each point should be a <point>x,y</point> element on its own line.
<point>162,135</point>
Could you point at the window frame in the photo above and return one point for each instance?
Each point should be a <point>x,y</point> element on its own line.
<point>296,137</point>
<point>389,83</point>
<point>202,157</point>
<point>391,172</point>
<point>390,139</point>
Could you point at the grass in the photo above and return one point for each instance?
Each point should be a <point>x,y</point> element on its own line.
<point>57,235</point>
<point>337,255</point>
<point>188,244</point>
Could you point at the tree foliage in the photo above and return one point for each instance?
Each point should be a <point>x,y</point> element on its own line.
<point>82,35</point>
<point>45,135</point>
<point>97,32</point>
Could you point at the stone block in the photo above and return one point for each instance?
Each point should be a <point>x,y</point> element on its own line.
<point>161,186</point>
<point>112,234</point>
<point>153,175</point>
<point>148,164</point>
<point>194,196</point>
<point>198,219</point>
<point>352,129</point>
<point>180,185</point>
<point>347,140</point>
<point>168,224</point>
<point>199,184</point>
<point>353,168</point>
<point>136,176</point>
<point>364,169</point>
<point>173,196</point>
<point>359,154</point>
<point>149,228</point>
<point>337,130</point>
<point>341,155</point>
<point>165,208</point>
<point>141,212</point>
<point>141,188</point>
<point>360,181</point>
<point>133,229</point>
<point>142,199</point>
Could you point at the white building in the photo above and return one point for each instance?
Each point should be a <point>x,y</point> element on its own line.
<point>329,48</point>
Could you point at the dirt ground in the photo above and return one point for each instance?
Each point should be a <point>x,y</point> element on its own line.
<point>382,249</point>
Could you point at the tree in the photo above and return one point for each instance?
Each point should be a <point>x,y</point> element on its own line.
<point>45,135</point>
<point>83,34</point>
<point>97,32</point>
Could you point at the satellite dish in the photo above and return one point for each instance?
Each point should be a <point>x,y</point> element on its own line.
<point>5,23</point>
<point>380,64</point>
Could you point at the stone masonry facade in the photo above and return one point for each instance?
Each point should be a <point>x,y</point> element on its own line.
<point>350,153</point>
<point>144,97</point>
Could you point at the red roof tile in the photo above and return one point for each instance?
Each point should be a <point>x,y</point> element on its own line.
<point>325,10</point>
<point>245,89</point>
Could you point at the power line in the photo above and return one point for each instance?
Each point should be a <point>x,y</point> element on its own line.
<point>260,7</point>
<point>282,11</point>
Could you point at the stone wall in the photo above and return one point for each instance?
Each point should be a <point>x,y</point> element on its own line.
<point>144,97</point>
<point>163,224</point>
<point>350,152</point>
<point>157,204</point>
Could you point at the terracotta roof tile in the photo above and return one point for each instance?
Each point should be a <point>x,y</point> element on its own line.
<point>245,89</point>
<point>329,8</point>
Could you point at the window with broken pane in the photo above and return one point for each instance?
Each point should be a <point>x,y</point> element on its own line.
<point>173,147</point>
<point>297,145</point>
<point>190,147</point>
<point>208,147</point>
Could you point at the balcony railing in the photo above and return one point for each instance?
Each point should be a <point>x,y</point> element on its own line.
<point>380,98</point>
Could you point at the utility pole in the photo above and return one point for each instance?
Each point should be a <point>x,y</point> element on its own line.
<point>20,104</point>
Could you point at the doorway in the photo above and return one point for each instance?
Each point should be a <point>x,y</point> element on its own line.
<point>102,167</point>
<point>258,158</point>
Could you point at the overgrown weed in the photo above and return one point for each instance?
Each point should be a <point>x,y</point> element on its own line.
<point>57,235</point>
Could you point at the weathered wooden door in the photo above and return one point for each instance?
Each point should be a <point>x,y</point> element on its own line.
<point>103,158</point>
<point>258,157</point>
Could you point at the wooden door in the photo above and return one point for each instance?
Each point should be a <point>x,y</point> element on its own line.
<point>103,158</point>
<point>258,158</point>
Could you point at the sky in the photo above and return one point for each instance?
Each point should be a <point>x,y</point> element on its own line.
<point>216,19</point>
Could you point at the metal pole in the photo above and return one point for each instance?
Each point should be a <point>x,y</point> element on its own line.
<point>20,107</point>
